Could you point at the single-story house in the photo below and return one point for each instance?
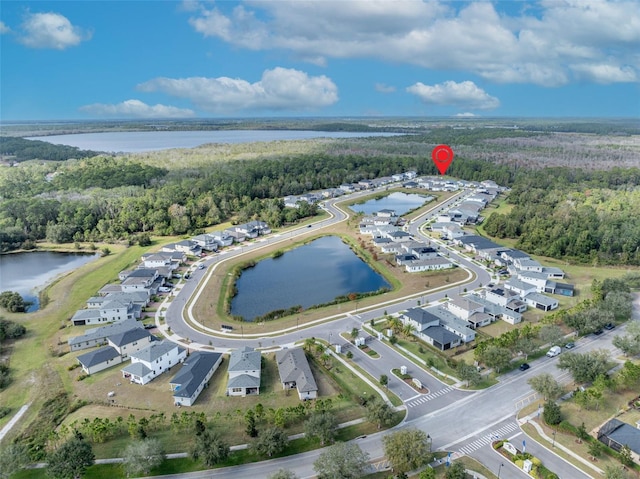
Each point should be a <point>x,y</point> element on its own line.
<point>540,301</point>
<point>431,264</point>
<point>244,372</point>
<point>617,434</point>
<point>150,362</point>
<point>295,372</point>
<point>99,359</point>
<point>193,377</point>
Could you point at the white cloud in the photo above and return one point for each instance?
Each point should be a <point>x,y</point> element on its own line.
<point>278,89</point>
<point>465,94</point>
<point>605,73</point>
<point>466,114</point>
<point>382,88</point>
<point>136,109</point>
<point>536,46</point>
<point>4,28</point>
<point>50,30</point>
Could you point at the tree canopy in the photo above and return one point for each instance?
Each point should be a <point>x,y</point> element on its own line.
<point>406,450</point>
<point>342,461</point>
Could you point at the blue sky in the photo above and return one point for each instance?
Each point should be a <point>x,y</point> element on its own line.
<point>170,59</point>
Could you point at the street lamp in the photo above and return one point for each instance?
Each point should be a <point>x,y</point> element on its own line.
<point>553,444</point>
<point>500,469</point>
<point>429,440</point>
<point>330,333</point>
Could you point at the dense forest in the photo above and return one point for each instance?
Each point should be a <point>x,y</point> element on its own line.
<point>585,215</point>
<point>19,149</point>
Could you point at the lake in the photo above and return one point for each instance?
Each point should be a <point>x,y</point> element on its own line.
<point>139,141</point>
<point>315,273</point>
<point>401,203</point>
<point>28,273</point>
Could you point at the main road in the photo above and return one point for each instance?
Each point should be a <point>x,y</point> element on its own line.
<point>460,421</point>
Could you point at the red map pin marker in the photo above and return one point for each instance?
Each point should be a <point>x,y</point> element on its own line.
<point>442,157</point>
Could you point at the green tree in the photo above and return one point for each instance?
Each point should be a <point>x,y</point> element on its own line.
<point>270,441</point>
<point>141,456</point>
<point>210,448</point>
<point>551,414</point>
<point>342,461</point>
<point>355,332</point>
<point>384,380</point>
<point>629,343</point>
<point>379,412</point>
<point>625,456</point>
<point>469,373</point>
<point>13,458</point>
<point>428,473</point>
<point>619,303</point>
<point>615,472</point>
<point>545,385</point>
<point>70,460</point>
<point>582,433</point>
<point>496,357</point>
<point>550,334</point>
<point>406,450</point>
<point>585,367</point>
<point>456,471</point>
<point>321,425</point>
<point>596,448</point>
<point>12,302</point>
<point>250,420</point>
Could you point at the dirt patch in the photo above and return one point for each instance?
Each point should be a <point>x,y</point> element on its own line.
<point>421,390</point>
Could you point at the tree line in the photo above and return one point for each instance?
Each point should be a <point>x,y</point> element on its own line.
<point>20,149</point>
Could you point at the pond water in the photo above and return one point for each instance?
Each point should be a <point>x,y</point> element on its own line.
<point>138,141</point>
<point>315,273</point>
<point>399,202</point>
<point>28,273</point>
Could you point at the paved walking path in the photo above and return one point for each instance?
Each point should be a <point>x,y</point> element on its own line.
<point>13,421</point>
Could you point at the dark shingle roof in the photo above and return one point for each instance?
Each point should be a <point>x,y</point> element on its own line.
<point>293,366</point>
<point>98,356</point>
<point>193,372</point>
<point>129,336</point>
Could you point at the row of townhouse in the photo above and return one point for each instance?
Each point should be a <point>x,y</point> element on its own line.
<point>388,236</point>
<point>235,234</point>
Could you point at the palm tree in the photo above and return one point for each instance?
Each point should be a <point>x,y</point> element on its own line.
<point>395,324</point>
<point>308,343</point>
<point>408,331</point>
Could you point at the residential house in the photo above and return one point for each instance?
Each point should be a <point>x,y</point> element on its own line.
<point>222,238</point>
<point>538,279</point>
<point>206,242</point>
<point>563,289</point>
<point>617,434</point>
<point>244,372</point>
<point>432,264</point>
<point>188,247</point>
<point>99,359</point>
<point>540,301</point>
<point>130,341</point>
<point>194,376</point>
<point>98,336</point>
<point>169,260</point>
<point>109,312</point>
<point>295,372</point>
<point>519,287</point>
<point>150,362</point>
<point>429,327</point>
<point>471,311</point>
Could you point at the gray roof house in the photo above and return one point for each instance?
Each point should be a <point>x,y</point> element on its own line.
<point>244,372</point>
<point>100,359</point>
<point>130,341</point>
<point>440,338</point>
<point>295,373</point>
<point>98,336</point>
<point>190,381</point>
<point>617,434</point>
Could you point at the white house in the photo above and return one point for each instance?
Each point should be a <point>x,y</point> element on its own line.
<point>98,336</point>
<point>244,372</point>
<point>152,361</point>
<point>99,359</point>
<point>295,372</point>
<point>193,377</point>
<point>418,265</point>
<point>130,341</point>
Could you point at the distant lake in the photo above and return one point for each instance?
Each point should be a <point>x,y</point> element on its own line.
<point>28,273</point>
<point>315,273</point>
<point>399,202</point>
<point>138,141</point>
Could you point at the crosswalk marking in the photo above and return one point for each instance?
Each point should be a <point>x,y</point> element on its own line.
<point>488,439</point>
<point>428,397</point>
